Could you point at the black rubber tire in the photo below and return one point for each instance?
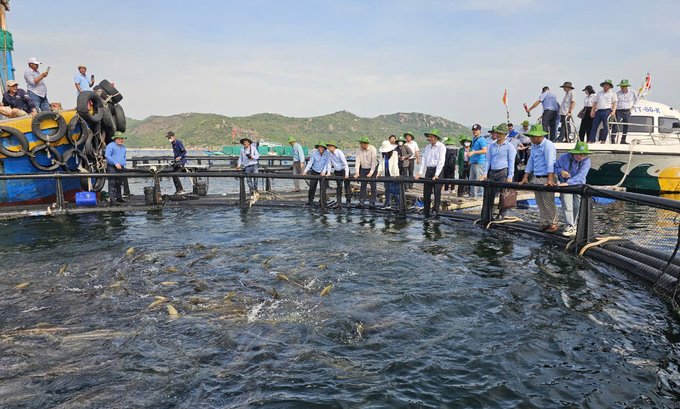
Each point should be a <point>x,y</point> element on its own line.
<point>119,117</point>
<point>111,90</point>
<point>72,124</point>
<point>18,135</point>
<point>56,157</point>
<point>111,106</point>
<point>55,116</point>
<point>97,186</point>
<point>97,106</point>
<point>108,123</point>
<point>67,156</point>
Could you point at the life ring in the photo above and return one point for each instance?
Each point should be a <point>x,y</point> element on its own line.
<point>56,157</point>
<point>119,117</point>
<point>83,106</point>
<point>84,131</point>
<point>19,136</point>
<point>111,90</point>
<point>55,116</point>
<point>76,154</point>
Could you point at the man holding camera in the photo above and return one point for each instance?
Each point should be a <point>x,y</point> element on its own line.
<point>179,153</point>
<point>82,84</point>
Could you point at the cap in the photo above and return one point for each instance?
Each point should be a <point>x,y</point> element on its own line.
<point>476,127</point>
<point>169,134</point>
<point>81,66</point>
<point>33,60</point>
<point>11,83</point>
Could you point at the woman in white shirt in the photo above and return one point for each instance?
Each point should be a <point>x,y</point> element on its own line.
<point>586,120</point>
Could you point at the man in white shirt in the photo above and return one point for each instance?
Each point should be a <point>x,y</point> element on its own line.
<point>566,108</point>
<point>603,107</point>
<point>35,85</point>
<point>413,159</point>
<point>431,166</point>
<point>626,101</point>
<point>338,162</point>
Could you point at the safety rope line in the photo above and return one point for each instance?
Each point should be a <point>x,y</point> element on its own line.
<point>505,220</point>
<point>597,243</point>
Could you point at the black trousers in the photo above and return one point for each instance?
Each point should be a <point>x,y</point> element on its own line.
<point>312,185</point>
<point>175,179</point>
<point>622,115</point>
<point>449,174</point>
<point>549,122</point>
<point>374,186</point>
<point>114,183</point>
<point>408,172</point>
<point>586,124</point>
<point>338,189</point>
<point>499,175</point>
<point>565,129</point>
<point>464,174</point>
<point>427,192</point>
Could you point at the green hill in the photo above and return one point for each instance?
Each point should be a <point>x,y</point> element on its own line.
<point>212,131</point>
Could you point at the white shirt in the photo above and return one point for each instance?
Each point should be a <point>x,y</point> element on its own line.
<point>605,100</point>
<point>569,97</point>
<point>433,157</point>
<point>414,148</point>
<point>39,89</point>
<point>588,102</point>
<point>337,162</point>
<point>626,100</point>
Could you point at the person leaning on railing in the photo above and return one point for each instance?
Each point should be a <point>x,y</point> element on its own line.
<point>626,101</point>
<point>431,167</point>
<point>366,166</point>
<point>337,163</point>
<point>298,162</point>
<point>500,162</point>
<point>542,165</point>
<point>248,159</point>
<point>318,162</point>
<point>571,169</point>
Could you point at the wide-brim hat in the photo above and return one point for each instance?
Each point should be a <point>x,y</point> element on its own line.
<point>322,144</point>
<point>567,84</point>
<point>409,133</point>
<point>492,130</point>
<point>291,139</point>
<point>331,143</point>
<point>581,148</point>
<point>401,139</point>
<point>387,147</point>
<point>449,141</point>
<point>525,123</point>
<point>364,139</point>
<point>502,128</point>
<point>624,83</point>
<point>589,88</point>
<point>536,130</point>
<point>245,139</point>
<point>119,134</point>
<point>606,82</point>
<point>464,138</point>
<point>434,132</point>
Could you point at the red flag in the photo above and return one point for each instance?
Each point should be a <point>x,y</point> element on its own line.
<point>233,133</point>
<point>505,98</point>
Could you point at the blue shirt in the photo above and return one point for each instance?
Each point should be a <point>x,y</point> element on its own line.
<point>501,157</point>
<point>243,159</point>
<point>542,158</point>
<point>577,170</point>
<point>318,162</point>
<point>82,80</point>
<point>298,153</point>
<point>337,161</point>
<point>178,151</point>
<point>115,155</point>
<point>549,101</point>
<point>477,144</point>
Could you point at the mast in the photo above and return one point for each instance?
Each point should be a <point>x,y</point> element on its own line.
<point>6,47</point>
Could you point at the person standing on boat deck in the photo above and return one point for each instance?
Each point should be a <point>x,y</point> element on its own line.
<point>388,166</point>
<point>566,108</point>
<point>366,167</point>
<point>318,162</point>
<point>248,159</point>
<point>477,160</point>
<point>525,141</point>
<point>298,162</point>
<point>550,108</point>
<point>179,153</point>
<point>500,162</point>
<point>405,155</point>
<point>414,159</point>
<point>603,107</point>
<point>16,102</point>
<point>450,162</point>
<point>542,165</point>
<point>35,85</point>
<point>115,163</point>
<point>432,166</point>
<point>626,100</point>
<point>571,169</point>
<point>463,164</point>
<point>338,163</point>
<point>586,119</point>
<point>82,83</point>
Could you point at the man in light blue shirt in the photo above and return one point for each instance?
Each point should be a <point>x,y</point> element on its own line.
<point>298,161</point>
<point>115,163</point>
<point>542,164</point>
<point>338,163</point>
<point>571,169</point>
<point>248,158</point>
<point>477,160</point>
<point>550,110</point>
<point>500,161</point>
<point>318,162</point>
<point>82,83</point>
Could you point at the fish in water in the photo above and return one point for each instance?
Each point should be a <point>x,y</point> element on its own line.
<point>228,297</point>
<point>281,276</point>
<point>326,290</point>
<point>171,270</point>
<point>172,310</point>
<point>155,304</point>
<point>322,267</point>
<point>169,283</point>
<point>161,298</point>
<point>20,286</point>
<point>121,276</point>
<point>130,250</point>
<point>275,294</point>
<point>63,269</point>
<point>180,255</point>
<point>200,246</point>
<point>264,263</point>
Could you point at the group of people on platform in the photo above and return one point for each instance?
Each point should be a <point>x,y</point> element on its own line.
<point>597,109</point>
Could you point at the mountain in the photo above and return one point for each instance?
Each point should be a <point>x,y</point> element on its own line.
<point>212,131</point>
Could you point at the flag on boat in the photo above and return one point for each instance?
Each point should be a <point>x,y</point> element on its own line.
<point>505,98</point>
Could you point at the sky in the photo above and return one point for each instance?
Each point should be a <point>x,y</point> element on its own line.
<point>306,58</point>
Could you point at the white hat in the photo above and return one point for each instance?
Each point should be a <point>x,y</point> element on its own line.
<point>33,60</point>
<point>12,83</point>
<point>81,66</point>
<point>387,147</point>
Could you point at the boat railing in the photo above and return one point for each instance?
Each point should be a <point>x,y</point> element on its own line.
<point>657,134</point>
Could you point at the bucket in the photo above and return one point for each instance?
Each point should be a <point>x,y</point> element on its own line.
<point>86,199</point>
<point>200,188</point>
<point>148,194</point>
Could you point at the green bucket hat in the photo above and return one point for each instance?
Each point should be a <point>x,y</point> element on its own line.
<point>329,143</point>
<point>409,133</point>
<point>449,141</point>
<point>607,82</point>
<point>322,144</point>
<point>536,130</point>
<point>567,84</point>
<point>525,123</point>
<point>492,130</point>
<point>464,138</point>
<point>402,139</point>
<point>245,139</point>
<point>502,128</point>
<point>291,139</point>
<point>581,148</point>
<point>434,132</point>
<point>119,134</point>
<point>624,83</point>
<point>364,139</point>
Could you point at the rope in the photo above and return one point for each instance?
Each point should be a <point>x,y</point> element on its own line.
<point>506,220</point>
<point>569,244</point>
<point>597,243</point>
<point>630,157</point>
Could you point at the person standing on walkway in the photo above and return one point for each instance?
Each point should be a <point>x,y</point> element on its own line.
<point>337,163</point>
<point>248,159</point>
<point>37,90</point>
<point>550,108</point>
<point>500,162</point>
<point>414,159</point>
<point>298,161</point>
<point>405,153</point>
<point>603,107</point>
<point>115,163</point>
<point>431,167</point>
<point>16,102</point>
<point>180,155</point>
<point>82,83</point>
<point>450,162</point>
<point>366,166</point>
<point>571,169</point>
<point>388,166</point>
<point>477,160</point>
<point>542,165</point>
<point>318,162</point>
<point>463,164</point>
<point>626,100</point>
<point>525,141</point>
<point>566,109</point>
<point>586,119</point>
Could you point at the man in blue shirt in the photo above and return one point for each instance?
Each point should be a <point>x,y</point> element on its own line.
<point>571,169</point>
<point>477,160</point>
<point>298,161</point>
<point>338,162</point>
<point>500,161</point>
<point>542,165</point>
<point>318,162</point>
<point>550,108</point>
<point>82,84</point>
<point>248,159</point>
<point>179,153</point>
<point>115,163</point>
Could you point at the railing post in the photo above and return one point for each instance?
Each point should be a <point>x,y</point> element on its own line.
<point>402,197</point>
<point>584,226</point>
<point>242,190</point>
<point>156,188</point>
<point>323,198</point>
<point>60,194</point>
<point>487,204</point>
<point>126,187</point>
<point>268,185</point>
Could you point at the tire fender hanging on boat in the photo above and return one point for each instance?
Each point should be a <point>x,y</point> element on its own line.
<point>84,131</point>
<point>51,152</point>
<point>119,118</point>
<point>83,107</point>
<point>38,132</point>
<point>111,90</point>
<point>78,155</point>
<point>19,136</point>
